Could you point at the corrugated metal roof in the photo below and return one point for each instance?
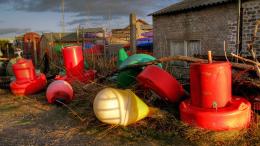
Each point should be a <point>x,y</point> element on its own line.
<point>189,5</point>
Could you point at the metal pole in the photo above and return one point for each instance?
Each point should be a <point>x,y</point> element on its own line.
<point>133,32</point>
<point>238,49</point>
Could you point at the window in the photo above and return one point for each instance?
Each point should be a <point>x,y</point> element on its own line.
<point>185,48</point>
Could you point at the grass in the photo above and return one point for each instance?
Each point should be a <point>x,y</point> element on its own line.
<point>31,121</point>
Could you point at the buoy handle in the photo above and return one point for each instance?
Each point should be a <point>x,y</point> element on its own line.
<point>209,57</point>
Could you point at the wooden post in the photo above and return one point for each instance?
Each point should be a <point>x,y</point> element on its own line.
<point>133,32</point>
<point>209,57</point>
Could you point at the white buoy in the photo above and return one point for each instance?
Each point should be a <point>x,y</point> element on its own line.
<point>119,107</point>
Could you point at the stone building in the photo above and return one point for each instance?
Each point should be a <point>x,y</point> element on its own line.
<point>193,27</point>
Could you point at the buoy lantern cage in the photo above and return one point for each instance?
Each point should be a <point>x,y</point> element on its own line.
<point>212,105</point>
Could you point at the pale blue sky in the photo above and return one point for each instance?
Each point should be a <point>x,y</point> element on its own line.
<point>19,16</point>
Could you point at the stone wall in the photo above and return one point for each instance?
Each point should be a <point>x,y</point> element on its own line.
<point>210,25</point>
<point>251,13</point>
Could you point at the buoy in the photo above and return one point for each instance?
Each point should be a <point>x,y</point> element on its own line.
<point>127,78</point>
<point>119,107</point>
<point>59,90</point>
<point>235,116</point>
<point>211,105</point>
<point>137,58</point>
<point>26,82</point>
<point>122,56</point>
<point>161,82</point>
<point>210,84</point>
<point>74,66</point>
<point>73,60</point>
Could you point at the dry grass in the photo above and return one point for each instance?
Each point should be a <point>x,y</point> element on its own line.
<point>164,126</point>
<point>41,124</point>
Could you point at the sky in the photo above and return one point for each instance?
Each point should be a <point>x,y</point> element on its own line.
<point>20,16</point>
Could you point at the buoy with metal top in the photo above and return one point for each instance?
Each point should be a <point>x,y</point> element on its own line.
<point>27,81</point>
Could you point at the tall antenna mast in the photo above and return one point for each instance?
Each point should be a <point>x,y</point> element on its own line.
<point>62,19</point>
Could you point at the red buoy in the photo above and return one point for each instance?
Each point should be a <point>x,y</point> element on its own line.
<point>26,82</point>
<point>59,90</point>
<point>73,60</point>
<point>210,84</point>
<point>24,70</point>
<point>161,82</point>
<point>74,65</point>
<point>236,115</point>
<point>211,105</point>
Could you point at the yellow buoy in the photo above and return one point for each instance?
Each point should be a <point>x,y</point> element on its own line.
<point>119,107</point>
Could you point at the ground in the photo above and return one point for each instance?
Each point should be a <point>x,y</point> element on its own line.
<point>32,121</point>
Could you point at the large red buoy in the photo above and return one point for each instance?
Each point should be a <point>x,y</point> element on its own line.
<point>161,82</point>
<point>26,82</point>
<point>59,90</point>
<point>210,84</point>
<point>211,105</point>
<point>74,65</point>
